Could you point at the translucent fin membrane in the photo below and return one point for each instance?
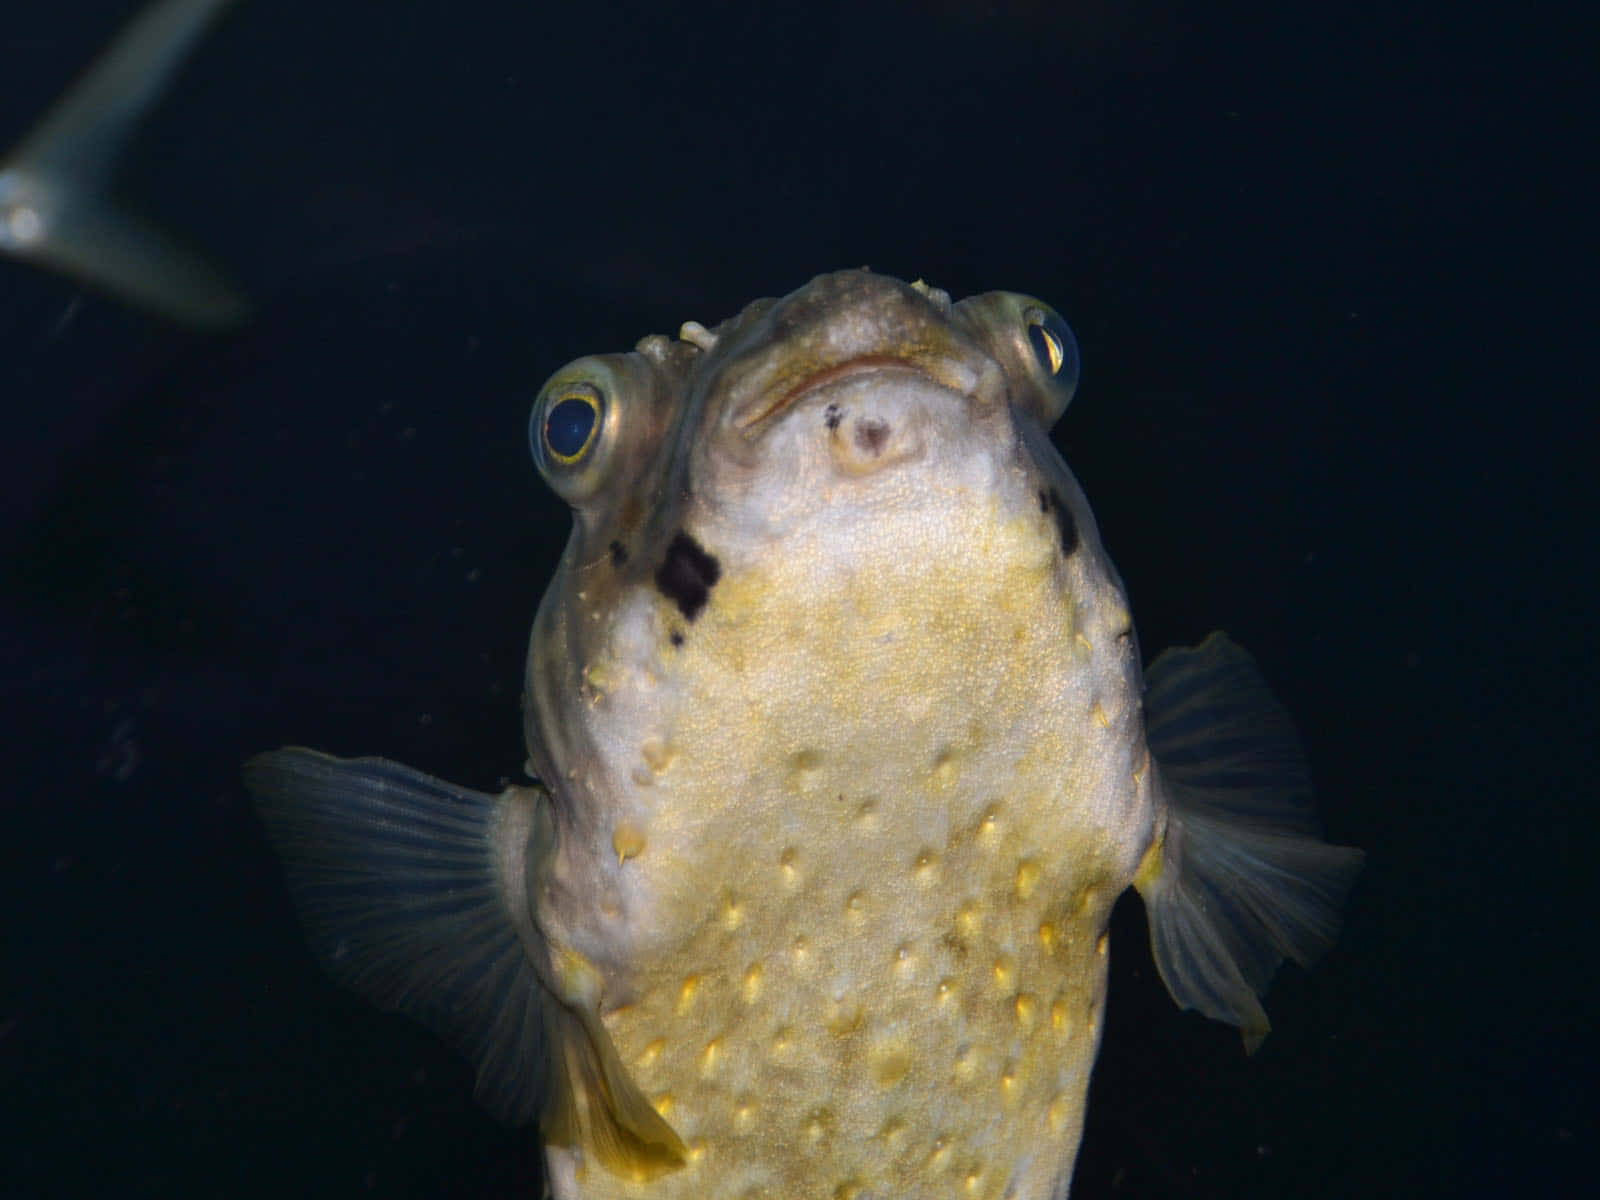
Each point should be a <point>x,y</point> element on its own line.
<point>413,893</point>
<point>1242,879</point>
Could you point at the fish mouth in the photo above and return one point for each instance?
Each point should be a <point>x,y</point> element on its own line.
<point>866,364</point>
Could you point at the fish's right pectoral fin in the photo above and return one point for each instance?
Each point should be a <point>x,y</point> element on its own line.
<point>54,207</point>
<point>1241,878</point>
<point>414,893</point>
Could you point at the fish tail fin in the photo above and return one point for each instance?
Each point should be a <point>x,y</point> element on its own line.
<point>1240,879</point>
<point>413,893</point>
<point>54,207</point>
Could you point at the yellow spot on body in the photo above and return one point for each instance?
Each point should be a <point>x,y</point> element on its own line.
<point>696,1149</point>
<point>890,1061</point>
<point>818,1123</point>
<point>732,911</point>
<point>600,677</point>
<point>1027,877</point>
<point>627,839</point>
<point>1144,764</point>
<point>1026,1008</point>
<point>926,866</point>
<point>1058,1015</point>
<point>1082,645</point>
<point>989,823</point>
<point>686,993</point>
<point>789,866</point>
<point>1150,866</point>
<point>1004,972</point>
<point>1101,944</point>
<point>969,919</point>
<point>848,1190</point>
<point>892,1132</point>
<point>946,770</point>
<point>1008,1081</point>
<point>855,907</point>
<point>663,1104</point>
<point>946,990</point>
<point>939,1155</point>
<point>905,961</point>
<point>651,1052</point>
<point>966,1065</point>
<point>709,1056</point>
<point>657,754</point>
<point>1047,936</point>
<point>782,1041</point>
<point>800,951</point>
<point>750,983</point>
<point>867,814</point>
<point>841,1016</point>
<point>973,1180</point>
<point>1057,1114</point>
<point>744,1111</point>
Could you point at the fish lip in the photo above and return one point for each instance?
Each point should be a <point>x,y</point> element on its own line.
<point>865,364</point>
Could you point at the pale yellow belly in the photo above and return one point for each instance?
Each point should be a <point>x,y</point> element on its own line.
<point>875,830</point>
<point>923,1029</point>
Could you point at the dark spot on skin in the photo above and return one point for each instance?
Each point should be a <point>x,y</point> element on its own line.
<point>832,415</point>
<point>619,554</point>
<point>1066,527</point>
<point>871,436</point>
<point>687,574</point>
<point>675,638</point>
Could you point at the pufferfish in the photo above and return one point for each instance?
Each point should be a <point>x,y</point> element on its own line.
<point>843,753</point>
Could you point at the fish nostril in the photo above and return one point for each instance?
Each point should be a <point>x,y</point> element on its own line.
<point>871,436</point>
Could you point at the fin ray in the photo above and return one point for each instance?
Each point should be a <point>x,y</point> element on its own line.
<point>1243,879</point>
<point>412,892</point>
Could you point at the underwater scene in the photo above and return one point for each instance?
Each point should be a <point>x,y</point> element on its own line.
<point>887,599</point>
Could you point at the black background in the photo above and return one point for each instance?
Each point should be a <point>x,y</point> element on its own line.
<point>1315,260</point>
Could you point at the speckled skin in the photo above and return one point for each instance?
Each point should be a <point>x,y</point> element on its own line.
<point>842,843</point>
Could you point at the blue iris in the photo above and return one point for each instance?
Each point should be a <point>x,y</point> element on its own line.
<point>569,426</point>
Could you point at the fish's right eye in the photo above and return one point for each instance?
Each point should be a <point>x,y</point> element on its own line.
<point>577,423</point>
<point>566,426</point>
<point>571,421</point>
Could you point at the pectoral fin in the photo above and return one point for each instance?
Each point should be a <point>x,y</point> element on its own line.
<point>413,892</point>
<point>1241,878</point>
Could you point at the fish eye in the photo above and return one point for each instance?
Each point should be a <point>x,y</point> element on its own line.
<point>1053,345</point>
<point>566,425</point>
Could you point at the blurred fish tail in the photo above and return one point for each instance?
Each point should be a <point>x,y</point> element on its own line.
<point>54,208</point>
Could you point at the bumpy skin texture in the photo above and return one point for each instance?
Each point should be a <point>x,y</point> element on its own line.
<point>837,697</point>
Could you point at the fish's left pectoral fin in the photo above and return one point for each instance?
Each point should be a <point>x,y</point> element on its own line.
<point>54,207</point>
<point>1240,879</point>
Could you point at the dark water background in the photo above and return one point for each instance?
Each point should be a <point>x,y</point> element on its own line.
<point>1314,259</point>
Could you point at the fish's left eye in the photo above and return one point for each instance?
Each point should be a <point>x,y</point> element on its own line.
<point>1053,345</point>
<point>566,425</point>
